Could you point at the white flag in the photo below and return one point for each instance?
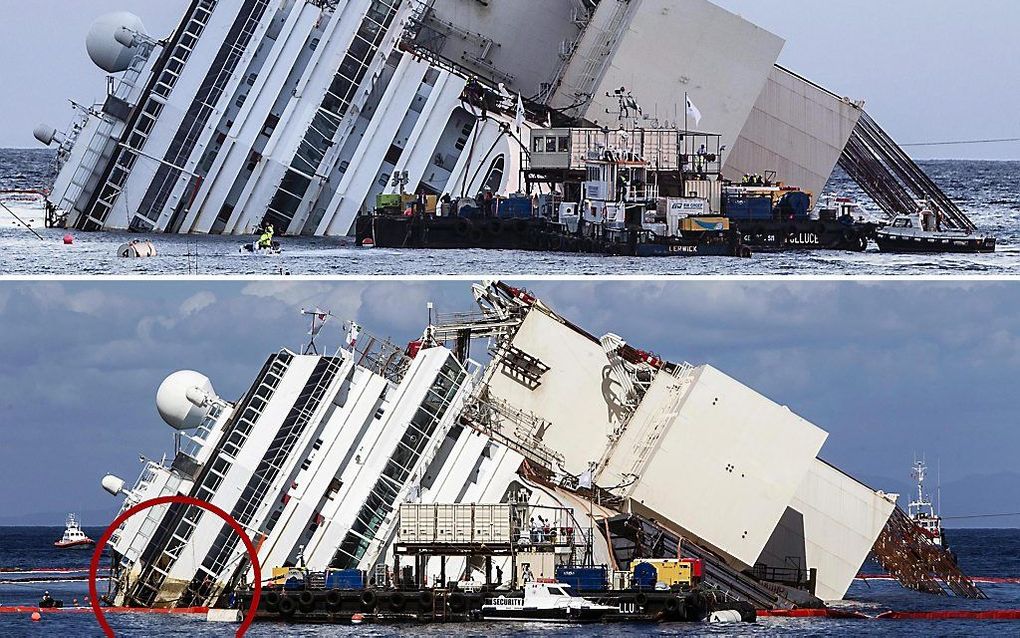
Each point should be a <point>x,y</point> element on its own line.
<point>323,317</point>
<point>585,480</point>
<point>352,336</point>
<point>694,112</point>
<point>519,120</point>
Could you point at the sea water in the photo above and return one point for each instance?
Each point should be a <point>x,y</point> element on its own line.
<point>991,553</point>
<point>987,191</point>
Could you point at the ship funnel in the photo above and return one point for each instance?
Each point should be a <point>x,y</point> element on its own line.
<point>46,134</point>
<point>113,41</point>
<point>113,484</point>
<point>184,399</point>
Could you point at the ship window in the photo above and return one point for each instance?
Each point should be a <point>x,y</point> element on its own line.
<point>314,44</point>
<point>903,223</point>
<point>563,144</point>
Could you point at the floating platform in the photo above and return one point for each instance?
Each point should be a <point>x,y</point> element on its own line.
<point>535,234</point>
<point>335,606</point>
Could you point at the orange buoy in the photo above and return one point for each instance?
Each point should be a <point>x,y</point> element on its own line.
<point>368,243</point>
<point>36,616</point>
<point>357,619</point>
<point>68,239</point>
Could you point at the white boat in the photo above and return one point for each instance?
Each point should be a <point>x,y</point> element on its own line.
<point>73,535</point>
<point>546,602</point>
<point>921,510</point>
<point>921,232</point>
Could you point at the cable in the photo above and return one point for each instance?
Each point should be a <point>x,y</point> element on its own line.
<point>964,142</point>
<point>958,518</point>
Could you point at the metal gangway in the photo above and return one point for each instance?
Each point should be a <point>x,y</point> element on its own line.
<point>892,179</point>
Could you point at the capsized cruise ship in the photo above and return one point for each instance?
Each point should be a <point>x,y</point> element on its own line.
<point>300,113</point>
<point>320,456</point>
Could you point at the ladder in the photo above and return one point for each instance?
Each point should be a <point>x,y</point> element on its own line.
<point>648,438</point>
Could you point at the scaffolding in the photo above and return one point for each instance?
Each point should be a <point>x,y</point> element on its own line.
<point>907,554</point>
<point>891,178</point>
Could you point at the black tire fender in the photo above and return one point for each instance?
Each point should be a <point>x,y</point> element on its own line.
<point>641,599</point>
<point>288,606</point>
<point>457,601</point>
<point>368,599</point>
<point>271,601</point>
<point>462,227</point>
<point>397,601</point>
<point>306,601</point>
<point>672,604</point>
<point>425,599</point>
<point>334,600</point>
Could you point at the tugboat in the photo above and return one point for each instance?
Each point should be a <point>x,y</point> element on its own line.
<point>922,232</point>
<point>546,602</point>
<point>921,511</point>
<point>73,536</point>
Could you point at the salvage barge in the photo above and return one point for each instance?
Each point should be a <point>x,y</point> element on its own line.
<point>631,192</point>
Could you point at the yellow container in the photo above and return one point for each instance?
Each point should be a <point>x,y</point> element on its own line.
<point>280,574</point>
<point>704,224</point>
<point>431,203</point>
<point>671,571</point>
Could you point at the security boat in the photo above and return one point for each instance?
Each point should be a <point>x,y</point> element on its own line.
<point>546,602</point>
<point>922,232</point>
<point>73,535</point>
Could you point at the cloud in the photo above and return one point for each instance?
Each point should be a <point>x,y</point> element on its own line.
<point>197,302</point>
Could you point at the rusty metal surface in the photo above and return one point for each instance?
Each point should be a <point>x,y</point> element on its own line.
<point>909,556</point>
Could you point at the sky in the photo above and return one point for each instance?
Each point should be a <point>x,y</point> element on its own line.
<point>930,70</point>
<point>890,370</point>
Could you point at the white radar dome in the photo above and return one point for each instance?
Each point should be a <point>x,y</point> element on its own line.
<point>106,38</point>
<point>45,134</point>
<point>113,484</point>
<point>184,399</point>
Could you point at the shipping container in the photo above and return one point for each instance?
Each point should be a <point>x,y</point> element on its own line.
<point>748,208</point>
<point>464,523</point>
<point>645,576</point>
<point>584,578</point>
<point>345,579</point>
<point>704,224</point>
<point>670,571</point>
<point>514,208</point>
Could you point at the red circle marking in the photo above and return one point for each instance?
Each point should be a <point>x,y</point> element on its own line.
<point>183,500</point>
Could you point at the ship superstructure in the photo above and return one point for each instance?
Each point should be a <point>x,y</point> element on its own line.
<point>920,508</point>
<point>299,113</point>
<point>322,456</point>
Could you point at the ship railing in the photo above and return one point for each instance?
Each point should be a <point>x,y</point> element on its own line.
<point>381,356</point>
<point>494,417</point>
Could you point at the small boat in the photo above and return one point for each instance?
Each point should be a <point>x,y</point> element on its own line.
<point>922,512</point>
<point>73,535</point>
<point>255,249</point>
<point>546,602</point>
<point>920,233</point>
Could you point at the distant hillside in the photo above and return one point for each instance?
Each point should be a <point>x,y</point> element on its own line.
<point>978,494</point>
<point>88,518</point>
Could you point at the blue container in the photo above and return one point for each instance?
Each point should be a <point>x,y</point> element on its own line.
<point>294,584</point>
<point>345,579</point>
<point>645,576</point>
<point>584,578</point>
<point>795,205</point>
<point>515,208</point>
<point>748,208</point>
